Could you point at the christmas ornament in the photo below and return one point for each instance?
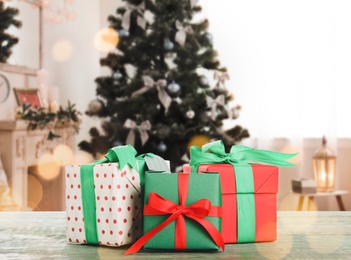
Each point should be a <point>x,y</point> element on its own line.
<point>198,140</point>
<point>117,75</point>
<point>221,77</point>
<point>209,37</point>
<point>162,147</point>
<point>149,83</point>
<point>213,103</point>
<point>203,80</point>
<point>180,36</point>
<point>168,45</point>
<point>190,114</point>
<point>95,106</point>
<point>123,33</point>
<point>140,12</point>
<point>173,88</point>
<point>142,128</point>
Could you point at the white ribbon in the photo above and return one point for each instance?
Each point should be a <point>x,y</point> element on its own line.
<point>180,36</point>
<point>142,128</point>
<point>140,19</point>
<point>213,103</point>
<point>149,83</point>
<point>221,77</point>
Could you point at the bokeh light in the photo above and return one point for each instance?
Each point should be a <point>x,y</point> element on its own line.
<point>48,168</point>
<point>8,198</point>
<point>82,157</point>
<point>63,154</point>
<point>266,249</point>
<point>35,194</point>
<point>62,50</point>
<point>291,202</point>
<point>198,140</point>
<point>304,223</point>
<point>106,40</point>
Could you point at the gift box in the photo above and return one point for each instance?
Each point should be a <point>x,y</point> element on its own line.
<point>115,219</point>
<point>304,186</point>
<point>104,199</point>
<point>181,212</point>
<point>248,189</point>
<point>256,215</point>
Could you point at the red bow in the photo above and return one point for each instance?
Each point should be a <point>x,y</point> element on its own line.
<point>197,211</point>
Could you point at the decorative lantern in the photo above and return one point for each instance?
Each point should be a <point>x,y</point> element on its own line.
<point>324,163</point>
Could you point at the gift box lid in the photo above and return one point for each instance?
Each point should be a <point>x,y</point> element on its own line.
<point>265,177</point>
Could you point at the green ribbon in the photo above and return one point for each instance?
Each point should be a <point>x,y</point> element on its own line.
<point>123,155</point>
<point>240,157</point>
<point>239,154</point>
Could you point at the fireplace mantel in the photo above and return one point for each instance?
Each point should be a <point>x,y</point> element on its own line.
<point>21,148</point>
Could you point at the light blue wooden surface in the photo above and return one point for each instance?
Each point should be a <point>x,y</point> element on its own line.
<point>301,235</point>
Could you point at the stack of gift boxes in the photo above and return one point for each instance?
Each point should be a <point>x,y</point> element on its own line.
<point>219,198</point>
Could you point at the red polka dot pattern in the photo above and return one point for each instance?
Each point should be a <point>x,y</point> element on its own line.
<point>75,219</point>
<point>118,204</point>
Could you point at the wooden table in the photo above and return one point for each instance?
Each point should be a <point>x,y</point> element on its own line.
<point>301,235</point>
<point>311,197</point>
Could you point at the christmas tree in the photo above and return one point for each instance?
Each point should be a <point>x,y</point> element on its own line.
<point>7,18</point>
<point>157,97</point>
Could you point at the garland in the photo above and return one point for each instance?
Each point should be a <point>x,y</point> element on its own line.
<point>41,119</point>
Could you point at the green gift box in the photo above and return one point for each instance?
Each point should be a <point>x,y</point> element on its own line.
<point>181,212</point>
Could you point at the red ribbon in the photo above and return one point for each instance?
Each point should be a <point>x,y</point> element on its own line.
<point>197,211</point>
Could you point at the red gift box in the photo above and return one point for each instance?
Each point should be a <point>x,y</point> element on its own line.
<point>265,189</point>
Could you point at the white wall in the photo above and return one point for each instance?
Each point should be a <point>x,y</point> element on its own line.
<point>289,62</point>
<point>74,76</point>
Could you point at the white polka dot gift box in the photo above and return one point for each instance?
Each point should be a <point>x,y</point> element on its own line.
<point>103,199</point>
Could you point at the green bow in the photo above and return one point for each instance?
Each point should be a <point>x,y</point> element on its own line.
<point>238,154</point>
<point>123,155</point>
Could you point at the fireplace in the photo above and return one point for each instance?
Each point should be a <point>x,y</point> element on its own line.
<point>35,177</point>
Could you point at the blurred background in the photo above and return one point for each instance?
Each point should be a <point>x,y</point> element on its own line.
<point>288,63</point>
